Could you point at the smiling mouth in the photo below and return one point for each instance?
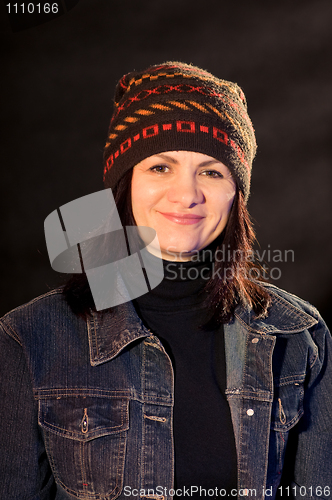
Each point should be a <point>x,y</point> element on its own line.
<point>184,219</point>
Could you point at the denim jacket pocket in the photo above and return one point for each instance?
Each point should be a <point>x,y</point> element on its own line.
<point>85,439</point>
<point>287,409</point>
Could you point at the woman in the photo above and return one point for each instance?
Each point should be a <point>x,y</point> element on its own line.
<point>211,384</point>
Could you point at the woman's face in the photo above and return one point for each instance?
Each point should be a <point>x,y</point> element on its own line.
<point>186,197</point>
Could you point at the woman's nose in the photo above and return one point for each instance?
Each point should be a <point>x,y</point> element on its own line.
<point>185,191</point>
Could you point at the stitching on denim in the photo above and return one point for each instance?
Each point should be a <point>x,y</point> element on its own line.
<point>314,357</point>
<point>281,449</point>
<point>61,431</point>
<point>64,393</point>
<point>97,393</point>
<point>304,317</point>
<point>93,433</point>
<point>240,442</point>
<point>294,420</point>
<point>36,299</point>
<point>291,379</point>
<point>55,470</point>
<point>289,307</point>
<point>54,467</point>
<point>75,492</point>
<point>100,358</point>
<point>85,420</point>
<point>143,465</point>
<point>263,396</point>
<point>295,309</point>
<point>156,346</point>
<point>266,329</point>
<point>153,417</point>
<point>9,331</point>
<point>296,417</point>
<point>96,337</point>
<point>121,459</point>
<point>248,327</point>
<point>172,434</point>
<point>48,448</point>
<point>83,468</point>
<point>282,415</point>
<point>241,454</point>
<point>90,340</point>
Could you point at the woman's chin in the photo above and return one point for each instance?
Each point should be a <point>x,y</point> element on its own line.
<point>180,253</point>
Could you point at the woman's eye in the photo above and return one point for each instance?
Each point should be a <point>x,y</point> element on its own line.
<point>160,169</point>
<point>213,173</point>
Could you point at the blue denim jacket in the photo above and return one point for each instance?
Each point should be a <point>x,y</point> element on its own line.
<point>86,408</point>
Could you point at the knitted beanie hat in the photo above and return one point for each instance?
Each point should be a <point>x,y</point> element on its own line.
<point>174,107</point>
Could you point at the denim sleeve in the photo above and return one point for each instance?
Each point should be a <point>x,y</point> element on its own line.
<point>308,466</point>
<point>24,469</point>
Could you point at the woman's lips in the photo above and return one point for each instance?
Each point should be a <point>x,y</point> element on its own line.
<point>184,219</point>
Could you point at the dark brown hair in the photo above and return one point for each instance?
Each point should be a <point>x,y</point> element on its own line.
<point>235,276</point>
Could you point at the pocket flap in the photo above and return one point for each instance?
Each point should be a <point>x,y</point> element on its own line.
<point>84,418</point>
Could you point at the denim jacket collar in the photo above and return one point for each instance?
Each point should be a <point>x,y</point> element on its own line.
<point>109,333</point>
<point>283,317</point>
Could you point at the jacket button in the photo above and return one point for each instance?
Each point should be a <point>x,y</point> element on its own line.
<point>250,412</point>
<point>254,341</point>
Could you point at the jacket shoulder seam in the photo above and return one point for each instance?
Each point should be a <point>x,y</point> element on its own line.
<point>33,301</point>
<point>10,332</point>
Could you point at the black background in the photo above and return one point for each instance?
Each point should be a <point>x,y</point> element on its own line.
<point>58,81</point>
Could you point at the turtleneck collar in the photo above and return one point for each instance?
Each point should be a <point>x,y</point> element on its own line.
<point>183,283</point>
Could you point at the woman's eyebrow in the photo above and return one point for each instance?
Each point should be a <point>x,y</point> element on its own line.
<point>167,158</point>
<point>209,162</point>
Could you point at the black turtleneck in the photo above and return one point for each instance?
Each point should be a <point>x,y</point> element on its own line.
<point>175,311</point>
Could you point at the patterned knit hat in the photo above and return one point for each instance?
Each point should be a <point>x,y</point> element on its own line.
<point>174,107</point>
